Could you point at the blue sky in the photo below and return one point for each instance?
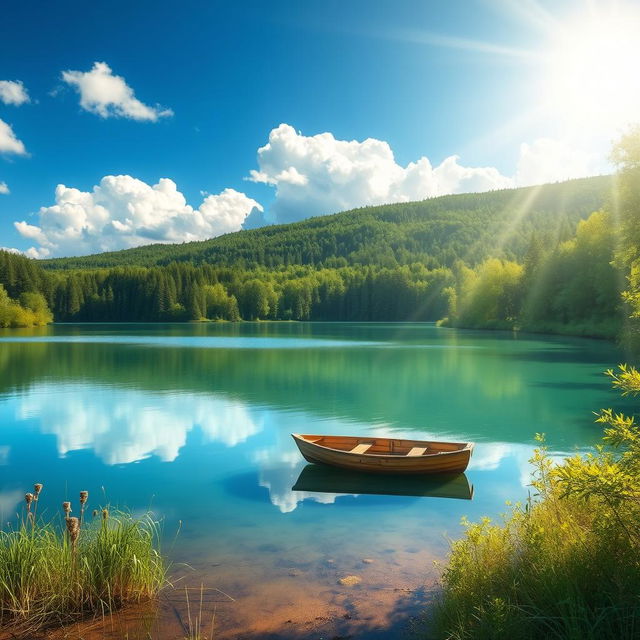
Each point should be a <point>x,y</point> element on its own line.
<point>423,79</point>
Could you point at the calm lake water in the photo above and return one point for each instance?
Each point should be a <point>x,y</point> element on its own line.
<point>194,422</point>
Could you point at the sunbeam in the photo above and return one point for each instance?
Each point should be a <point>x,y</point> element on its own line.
<point>529,12</point>
<point>417,36</point>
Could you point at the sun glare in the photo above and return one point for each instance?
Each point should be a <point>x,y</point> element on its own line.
<point>593,71</point>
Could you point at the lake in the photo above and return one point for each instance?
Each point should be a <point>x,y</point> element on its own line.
<point>194,423</point>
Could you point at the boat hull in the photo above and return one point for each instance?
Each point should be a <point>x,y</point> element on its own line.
<point>455,461</point>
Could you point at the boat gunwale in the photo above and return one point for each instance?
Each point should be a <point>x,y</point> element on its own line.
<point>468,446</point>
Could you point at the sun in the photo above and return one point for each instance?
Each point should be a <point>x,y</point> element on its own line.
<point>593,69</point>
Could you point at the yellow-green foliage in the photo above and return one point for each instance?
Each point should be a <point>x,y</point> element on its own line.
<point>488,296</point>
<point>576,285</point>
<point>626,155</point>
<point>30,311</point>
<point>46,579</point>
<point>564,565</point>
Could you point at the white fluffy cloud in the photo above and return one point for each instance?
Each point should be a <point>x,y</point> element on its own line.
<point>315,175</point>
<point>548,160</point>
<point>108,95</point>
<point>4,188</point>
<point>13,92</point>
<point>319,174</point>
<point>123,212</point>
<point>9,143</point>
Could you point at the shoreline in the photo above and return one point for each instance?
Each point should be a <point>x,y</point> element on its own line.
<point>515,331</point>
<point>285,609</point>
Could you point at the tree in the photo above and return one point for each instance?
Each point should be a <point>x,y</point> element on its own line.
<point>195,302</point>
<point>490,296</point>
<point>626,156</point>
<point>257,299</point>
<point>297,299</point>
<point>36,303</point>
<point>12,314</point>
<point>219,304</point>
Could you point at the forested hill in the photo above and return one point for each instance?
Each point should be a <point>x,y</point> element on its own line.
<point>435,232</point>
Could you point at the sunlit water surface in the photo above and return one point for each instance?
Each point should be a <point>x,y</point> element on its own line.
<point>194,423</point>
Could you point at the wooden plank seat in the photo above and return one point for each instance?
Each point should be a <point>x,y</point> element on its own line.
<point>362,448</point>
<point>416,451</point>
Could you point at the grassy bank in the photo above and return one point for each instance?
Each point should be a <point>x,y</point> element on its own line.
<point>564,565</point>
<point>56,572</point>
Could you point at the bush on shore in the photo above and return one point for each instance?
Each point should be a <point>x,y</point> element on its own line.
<point>567,563</point>
<point>30,310</point>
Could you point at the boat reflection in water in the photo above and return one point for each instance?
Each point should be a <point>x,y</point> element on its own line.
<point>317,478</point>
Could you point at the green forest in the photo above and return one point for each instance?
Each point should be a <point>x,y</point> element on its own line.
<point>434,232</point>
<point>555,258</point>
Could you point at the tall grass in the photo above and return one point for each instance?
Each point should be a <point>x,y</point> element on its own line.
<point>543,573</point>
<point>566,564</point>
<point>58,571</point>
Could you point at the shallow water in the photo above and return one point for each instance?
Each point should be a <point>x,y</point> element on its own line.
<point>193,421</point>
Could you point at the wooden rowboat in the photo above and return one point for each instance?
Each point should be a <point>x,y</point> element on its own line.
<point>320,478</point>
<point>385,455</point>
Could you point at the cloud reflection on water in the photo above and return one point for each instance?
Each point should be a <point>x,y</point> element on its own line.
<point>279,471</point>
<point>122,426</point>
<point>9,498</point>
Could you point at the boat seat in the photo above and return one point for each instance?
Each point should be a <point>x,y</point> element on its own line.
<point>416,451</point>
<point>362,448</point>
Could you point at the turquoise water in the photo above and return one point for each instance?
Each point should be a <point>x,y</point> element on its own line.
<point>194,422</point>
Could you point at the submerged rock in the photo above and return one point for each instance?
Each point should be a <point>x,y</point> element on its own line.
<point>350,581</point>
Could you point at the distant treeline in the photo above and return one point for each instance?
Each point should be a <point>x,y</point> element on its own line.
<point>546,265</point>
<point>573,285</point>
<point>182,292</point>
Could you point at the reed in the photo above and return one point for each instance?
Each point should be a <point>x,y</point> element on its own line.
<point>196,627</point>
<point>59,571</point>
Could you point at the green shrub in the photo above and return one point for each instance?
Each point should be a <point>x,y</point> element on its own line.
<point>567,563</point>
<point>31,311</point>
